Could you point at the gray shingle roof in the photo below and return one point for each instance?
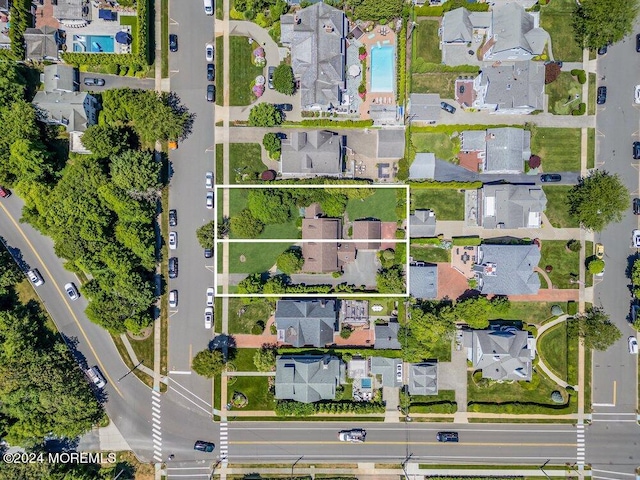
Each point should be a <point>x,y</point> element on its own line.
<point>308,378</point>
<point>318,152</point>
<point>60,77</point>
<point>504,149</point>
<point>474,141</point>
<point>507,269</point>
<point>391,143</point>
<point>306,322</point>
<point>502,354</point>
<point>424,107</point>
<point>386,367</point>
<point>514,85</point>
<point>75,110</point>
<point>514,33</point>
<point>423,378</point>
<point>422,224</point>
<point>68,10</point>
<point>511,206</point>
<point>457,26</point>
<point>423,166</point>
<point>423,281</point>
<point>387,336</point>
<point>41,43</point>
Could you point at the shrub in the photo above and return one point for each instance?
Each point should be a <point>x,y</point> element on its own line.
<point>574,245</point>
<point>595,266</point>
<point>336,123</point>
<point>534,161</point>
<point>572,307</point>
<point>580,75</point>
<point>582,108</point>
<point>402,63</point>
<point>283,80</point>
<point>450,184</point>
<point>345,332</point>
<point>556,397</point>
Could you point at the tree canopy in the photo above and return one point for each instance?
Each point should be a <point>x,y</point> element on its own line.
<point>105,141</point>
<point>595,329</point>
<point>206,235</point>
<point>272,144</point>
<point>476,311</point>
<point>597,23</point>
<point>208,363</point>
<point>270,206</point>
<point>290,261</point>
<point>283,79</point>
<point>420,337</point>
<point>137,173</point>
<point>245,225</point>
<point>390,280</point>
<point>264,115</point>
<point>376,10</point>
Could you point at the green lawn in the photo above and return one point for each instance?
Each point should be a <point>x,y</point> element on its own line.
<point>443,83</point>
<point>220,71</point>
<point>528,312</point>
<point>565,94</point>
<point>245,162</point>
<point>219,166</point>
<point>258,257</point>
<point>447,203</point>
<point>238,202</point>
<point>429,253</point>
<point>589,250</point>
<point>560,353</point>
<point>557,210</point>
<point>440,143</point>
<point>564,263</point>
<point>242,71</point>
<point>555,18</point>
<point>443,402</point>
<point>559,148</point>
<point>132,21</point>
<point>591,106</point>
<point>256,389</point>
<point>380,205</point>
<point>591,147</point>
<point>243,361</point>
<point>426,43</point>
<point>243,317</point>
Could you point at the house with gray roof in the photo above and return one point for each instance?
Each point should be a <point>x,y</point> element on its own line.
<point>314,153</point>
<point>510,206</point>
<point>423,280</point>
<point>306,322</point>
<point>390,143</point>
<point>424,108</point>
<point>507,269</point>
<point>496,150</point>
<point>387,336</point>
<point>317,38</point>
<point>42,43</point>
<point>423,378</point>
<point>459,25</point>
<point>75,110</point>
<point>60,78</point>
<point>389,369</point>
<point>423,166</point>
<point>501,352</point>
<point>70,11</point>
<point>308,378</point>
<point>422,224</point>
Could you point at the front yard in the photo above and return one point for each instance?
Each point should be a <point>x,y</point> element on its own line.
<point>256,390</point>
<point>443,402</point>
<point>563,262</point>
<point>565,94</point>
<point>529,312</point>
<point>559,148</point>
<point>242,71</point>
<point>560,353</point>
<point>245,318</point>
<point>555,18</point>
<point>447,203</point>
<point>442,144</point>
<point>254,257</point>
<point>245,162</point>
<point>557,210</point>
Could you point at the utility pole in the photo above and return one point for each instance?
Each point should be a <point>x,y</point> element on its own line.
<point>294,464</point>
<point>136,366</point>
<point>404,465</point>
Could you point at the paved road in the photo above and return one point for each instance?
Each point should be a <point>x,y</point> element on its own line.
<point>614,443</point>
<point>115,81</point>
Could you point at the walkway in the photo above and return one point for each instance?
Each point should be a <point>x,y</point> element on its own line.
<point>457,228</point>
<point>545,276</point>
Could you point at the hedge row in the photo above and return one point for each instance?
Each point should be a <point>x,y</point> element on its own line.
<point>450,129</point>
<point>438,11</point>
<point>580,75</point>
<point>289,408</point>
<point>451,184</point>
<point>21,19</point>
<point>322,181</point>
<point>444,406</point>
<point>334,123</point>
<point>402,63</point>
<point>472,241</point>
<point>521,408</point>
<point>582,108</point>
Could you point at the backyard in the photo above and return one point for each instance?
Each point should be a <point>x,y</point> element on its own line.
<point>565,94</point>
<point>245,162</point>
<point>559,148</point>
<point>132,21</point>
<point>435,82</point>
<point>245,318</point>
<point>564,263</point>
<point>243,359</point>
<point>442,144</point>
<point>529,312</point>
<point>430,253</point>
<point>560,353</point>
<point>242,71</point>
<point>557,210</point>
<point>426,43</point>
<point>447,203</point>
<point>555,18</point>
<point>256,389</point>
<point>380,205</point>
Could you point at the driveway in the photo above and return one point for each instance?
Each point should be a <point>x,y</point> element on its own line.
<point>363,270</point>
<point>116,81</point>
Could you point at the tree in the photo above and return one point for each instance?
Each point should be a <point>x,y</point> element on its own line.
<point>290,261</point>
<point>390,280</point>
<point>245,225</point>
<point>106,141</point>
<point>272,144</point>
<point>30,161</point>
<point>598,199</point>
<point>376,10</point>
<point>595,266</point>
<point>251,284</point>
<point>595,329</point>
<point>265,358</point>
<point>551,72</point>
<point>270,206</point>
<point>275,285</point>
<point>635,277</point>
<point>137,173</point>
<point>334,205</point>
<point>283,80</point>
<point>265,115</point>
<point>208,363</point>
<point>206,235</point>
<point>10,274</point>
<point>574,245</point>
<point>474,311</point>
<point>420,337</point>
<point>597,23</point>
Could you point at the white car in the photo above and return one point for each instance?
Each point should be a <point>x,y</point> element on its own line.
<point>72,291</point>
<point>637,94</point>
<point>209,200</point>
<point>633,345</point>
<point>96,377</point>
<point>208,180</point>
<point>399,373</point>
<point>209,52</point>
<point>208,318</point>
<point>173,240</point>
<point>210,297</point>
<point>355,435</point>
<point>635,239</point>
<point>173,298</point>
<point>35,277</point>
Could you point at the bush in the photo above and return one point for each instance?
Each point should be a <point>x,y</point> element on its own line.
<point>572,307</point>
<point>336,123</point>
<point>582,108</point>
<point>346,331</point>
<point>580,75</point>
<point>534,161</point>
<point>551,72</point>
<point>595,266</point>
<point>421,66</point>
<point>402,63</point>
<point>556,397</point>
<point>283,80</point>
<point>574,245</point>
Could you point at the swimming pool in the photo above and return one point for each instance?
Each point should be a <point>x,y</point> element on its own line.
<point>382,68</point>
<point>365,382</point>
<point>93,43</point>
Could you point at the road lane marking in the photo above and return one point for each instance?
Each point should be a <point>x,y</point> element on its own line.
<point>64,299</point>
<point>462,444</point>
<point>189,400</point>
<point>615,473</point>
<point>179,372</point>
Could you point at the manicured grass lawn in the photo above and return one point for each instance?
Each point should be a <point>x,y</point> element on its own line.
<point>256,389</point>
<point>555,18</point>
<point>528,312</point>
<point>219,165</point>
<point>245,162</point>
<point>559,148</point>
<point>591,147</point>
<point>380,205</point>
<point>258,257</point>
<point>438,82</point>
<point>243,361</point>
<point>220,71</point>
<point>238,202</point>
<point>562,94</point>
<point>132,21</point>
<point>242,71</point>
<point>447,203</point>
<point>589,251</point>
<point>557,210</point>
<point>443,402</point>
<point>243,317</point>
<point>552,347</point>
<point>429,253</point>
<point>591,106</point>
<point>426,43</point>
<point>564,263</point>
<point>440,143</point>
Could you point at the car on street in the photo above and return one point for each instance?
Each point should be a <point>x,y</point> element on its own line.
<point>636,206</point>
<point>603,50</point>
<point>550,177</point>
<point>173,42</point>
<point>270,77</point>
<point>203,446</point>
<point>210,297</point>
<point>173,240</point>
<point>173,298</point>
<point>96,377</point>
<point>72,291</point>
<point>355,435</point>
<point>211,72</point>
<point>284,107</point>
<point>173,218</point>
<point>208,51</point>
<point>635,239</point>
<point>35,277</point>
<point>208,180</point>
<point>447,107</point>
<point>208,318</point>
<point>636,150</point>
<point>638,43</point>
<point>208,253</point>
<point>636,94</point>
<point>173,267</point>
<point>634,311</point>
<point>599,251</point>
<point>209,200</point>
<point>602,95</point>
<point>4,192</point>
<point>94,82</point>
<point>447,436</point>
<point>211,93</point>
<point>633,345</point>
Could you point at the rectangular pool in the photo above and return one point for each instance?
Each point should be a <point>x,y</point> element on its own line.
<point>93,43</point>
<point>382,68</point>
<point>365,382</point>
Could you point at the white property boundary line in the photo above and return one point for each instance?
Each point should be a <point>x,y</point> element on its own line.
<point>407,241</point>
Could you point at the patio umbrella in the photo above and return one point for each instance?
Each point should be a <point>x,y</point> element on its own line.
<point>123,37</point>
<point>354,70</point>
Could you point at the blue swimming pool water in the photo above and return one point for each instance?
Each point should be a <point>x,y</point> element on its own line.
<point>366,382</point>
<point>382,68</point>
<point>93,43</point>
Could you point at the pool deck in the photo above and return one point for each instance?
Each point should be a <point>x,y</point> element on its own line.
<point>99,26</point>
<point>371,39</point>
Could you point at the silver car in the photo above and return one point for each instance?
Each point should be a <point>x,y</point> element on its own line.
<point>72,291</point>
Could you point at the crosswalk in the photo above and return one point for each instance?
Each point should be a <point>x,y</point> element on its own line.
<point>224,442</point>
<point>156,429</point>
<point>581,445</point>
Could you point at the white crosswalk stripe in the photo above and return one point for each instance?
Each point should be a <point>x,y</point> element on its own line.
<point>223,446</point>
<point>156,427</point>
<point>581,448</point>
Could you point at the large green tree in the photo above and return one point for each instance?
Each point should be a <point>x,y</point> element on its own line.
<point>598,199</point>
<point>272,144</point>
<point>597,23</point>
<point>106,140</point>
<point>245,225</point>
<point>290,261</point>
<point>30,161</point>
<point>270,206</point>
<point>426,329</point>
<point>595,329</point>
<point>206,235</point>
<point>390,280</point>
<point>10,274</point>
<point>208,363</point>
<point>137,173</point>
<point>264,115</point>
<point>283,79</point>
<point>376,10</point>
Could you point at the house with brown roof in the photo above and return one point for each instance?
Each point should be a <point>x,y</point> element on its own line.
<point>370,232</point>
<point>320,257</point>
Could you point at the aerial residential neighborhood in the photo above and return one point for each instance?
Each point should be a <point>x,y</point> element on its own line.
<point>338,239</point>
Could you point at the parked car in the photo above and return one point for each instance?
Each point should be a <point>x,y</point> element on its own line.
<point>602,95</point>
<point>211,72</point>
<point>173,42</point>
<point>208,253</point>
<point>96,377</point>
<point>638,43</point>
<point>173,267</point>
<point>633,345</point>
<point>173,218</point>
<point>355,435</point>
<point>270,77</point>
<point>550,177</point>
<point>35,277</point>
<point>4,192</point>
<point>447,436</point>
<point>636,150</point>
<point>72,291</point>
<point>635,239</point>
<point>173,298</point>
<point>399,372</point>
<point>208,180</point>
<point>636,206</point>
<point>634,311</point>
<point>208,318</point>
<point>211,93</point>
<point>210,297</point>
<point>447,107</point>
<point>173,240</point>
<point>599,251</point>
<point>636,94</point>
<point>602,50</point>
<point>284,107</point>
<point>203,446</point>
<point>94,82</point>
<point>208,51</point>
<point>209,200</point>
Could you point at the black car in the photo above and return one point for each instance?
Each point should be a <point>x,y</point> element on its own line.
<point>208,253</point>
<point>173,267</point>
<point>636,206</point>
<point>602,50</point>
<point>211,93</point>
<point>173,42</point>
<point>638,42</point>
<point>447,108</point>
<point>203,446</point>
<point>602,95</point>
<point>284,107</point>
<point>447,436</point>
<point>94,82</point>
<point>636,150</point>
<point>550,177</point>
<point>173,218</point>
<point>211,72</point>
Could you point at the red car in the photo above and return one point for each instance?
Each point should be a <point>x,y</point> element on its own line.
<point>4,192</point>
